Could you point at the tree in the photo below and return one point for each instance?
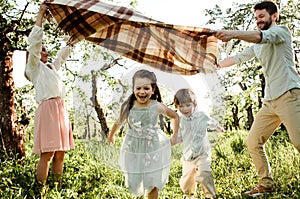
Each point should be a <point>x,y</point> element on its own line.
<point>98,108</point>
<point>14,29</point>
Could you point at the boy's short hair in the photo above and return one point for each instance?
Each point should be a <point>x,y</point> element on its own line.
<point>185,95</point>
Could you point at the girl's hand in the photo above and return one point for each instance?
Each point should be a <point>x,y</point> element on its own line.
<point>111,139</point>
<point>173,140</point>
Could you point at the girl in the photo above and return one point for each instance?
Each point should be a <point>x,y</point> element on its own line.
<point>196,158</point>
<point>145,155</point>
<point>52,132</point>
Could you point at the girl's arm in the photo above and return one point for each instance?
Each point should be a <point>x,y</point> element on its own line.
<point>116,126</point>
<point>163,109</point>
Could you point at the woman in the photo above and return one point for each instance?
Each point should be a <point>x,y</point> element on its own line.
<point>52,132</point>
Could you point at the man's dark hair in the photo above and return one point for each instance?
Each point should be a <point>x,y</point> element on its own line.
<point>270,7</point>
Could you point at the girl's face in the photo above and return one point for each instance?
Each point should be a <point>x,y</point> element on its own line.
<point>186,109</point>
<point>44,54</point>
<point>142,90</point>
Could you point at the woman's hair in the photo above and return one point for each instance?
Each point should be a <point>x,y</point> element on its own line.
<point>185,95</point>
<point>128,104</point>
<point>270,7</point>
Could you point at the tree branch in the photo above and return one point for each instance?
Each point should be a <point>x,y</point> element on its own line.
<point>23,12</point>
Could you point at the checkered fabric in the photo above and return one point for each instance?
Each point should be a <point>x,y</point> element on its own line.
<point>175,49</point>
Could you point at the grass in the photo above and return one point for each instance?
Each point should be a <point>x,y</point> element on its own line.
<point>91,171</point>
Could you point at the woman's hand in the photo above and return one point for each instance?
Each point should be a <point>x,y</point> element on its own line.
<point>43,8</point>
<point>41,15</point>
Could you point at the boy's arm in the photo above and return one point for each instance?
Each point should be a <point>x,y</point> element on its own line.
<point>175,140</point>
<point>220,129</point>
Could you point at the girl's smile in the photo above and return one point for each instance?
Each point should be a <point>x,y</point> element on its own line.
<point>143,91</point>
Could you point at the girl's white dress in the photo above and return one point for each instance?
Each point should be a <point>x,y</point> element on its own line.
<point>145,156</point>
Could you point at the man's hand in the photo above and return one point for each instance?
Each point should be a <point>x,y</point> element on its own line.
<point>225,35</point>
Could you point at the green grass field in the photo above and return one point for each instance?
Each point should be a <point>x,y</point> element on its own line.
<point>91,171</point>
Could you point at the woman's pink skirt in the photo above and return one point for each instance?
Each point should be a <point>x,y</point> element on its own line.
<point>52,131</point>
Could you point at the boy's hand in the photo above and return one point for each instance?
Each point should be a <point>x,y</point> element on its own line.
<point>221,129</point>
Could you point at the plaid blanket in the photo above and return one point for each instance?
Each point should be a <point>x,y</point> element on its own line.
<point>171,48</point>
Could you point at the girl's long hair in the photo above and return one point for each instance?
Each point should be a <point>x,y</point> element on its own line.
<point>128,104</point>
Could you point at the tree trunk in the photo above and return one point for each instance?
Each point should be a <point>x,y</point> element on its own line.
<point>250,117</point>
<point>97,105</point>
<point>95,130</point>
<point>12,140</point>
<point>235,111</point>
<point>88,129</point>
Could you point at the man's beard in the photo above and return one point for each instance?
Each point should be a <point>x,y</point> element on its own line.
<point>267,25</point>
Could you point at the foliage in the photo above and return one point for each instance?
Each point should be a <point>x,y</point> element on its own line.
<point>88,174</point>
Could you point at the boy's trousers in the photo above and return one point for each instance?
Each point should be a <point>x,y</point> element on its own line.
<point>197,171</point>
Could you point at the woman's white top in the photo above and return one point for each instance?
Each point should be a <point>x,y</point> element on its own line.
<point>47,82</point>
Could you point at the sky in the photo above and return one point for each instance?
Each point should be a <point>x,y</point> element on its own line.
<point>178,12</point>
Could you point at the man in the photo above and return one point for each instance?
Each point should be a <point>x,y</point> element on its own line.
<point>282,91</point>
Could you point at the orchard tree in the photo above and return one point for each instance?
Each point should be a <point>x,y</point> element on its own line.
<point>14,29</point>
